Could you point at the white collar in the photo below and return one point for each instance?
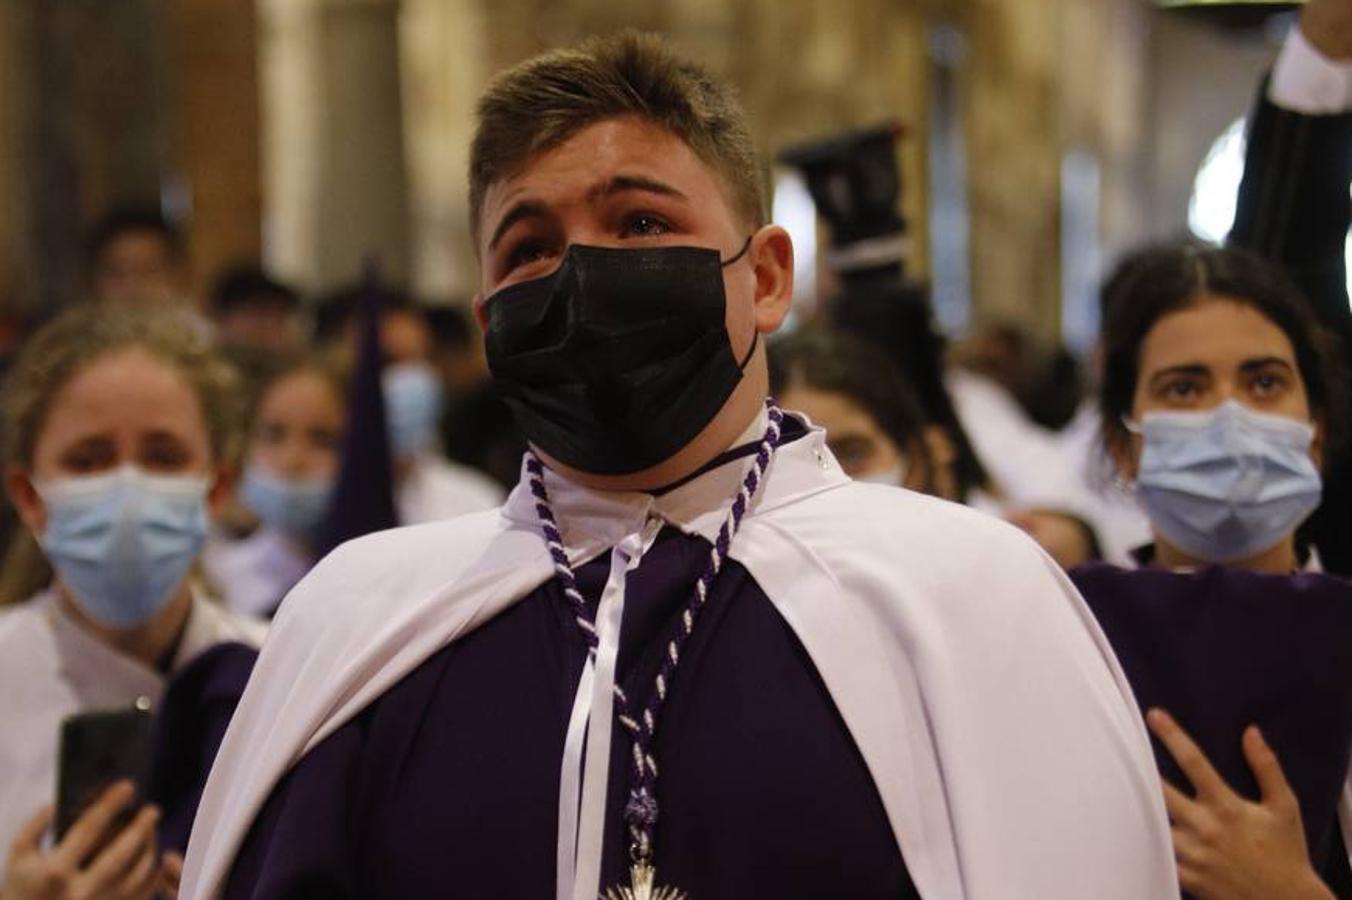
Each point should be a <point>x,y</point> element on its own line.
<point>592,520</point>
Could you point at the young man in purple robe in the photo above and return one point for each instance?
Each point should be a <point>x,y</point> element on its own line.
<point>688,657</point>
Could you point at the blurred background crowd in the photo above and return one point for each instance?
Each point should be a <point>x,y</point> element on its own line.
<point>268,202</point>
<point>246,161</point>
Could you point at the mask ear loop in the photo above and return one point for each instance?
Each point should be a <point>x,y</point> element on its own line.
<point>739,254</point>
<point>746,360</point>
<point>755,335</point>
<point>1123,483</point>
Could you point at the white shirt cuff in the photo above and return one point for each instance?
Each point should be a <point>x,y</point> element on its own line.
<point>1306,81</point>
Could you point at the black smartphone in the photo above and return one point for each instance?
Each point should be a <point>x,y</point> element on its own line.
<point>97,749</point>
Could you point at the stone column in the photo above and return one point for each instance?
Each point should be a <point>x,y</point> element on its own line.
<point>1014,152</point>
<point>334,171</point>
<point>444,48</point>
<point>362,207</point>
<point>214,57</point>
<point>89,127</point>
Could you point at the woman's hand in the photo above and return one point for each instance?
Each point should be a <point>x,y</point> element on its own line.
<point>171,875</point>
<point>88,864</point>
<point>1227,847</point>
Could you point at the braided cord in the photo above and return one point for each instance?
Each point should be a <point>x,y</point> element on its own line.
<point>554,541</point>
<point>641,812</point>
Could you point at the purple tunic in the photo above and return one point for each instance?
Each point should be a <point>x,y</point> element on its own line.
<point>1221,649</point>
<point>448,785</point>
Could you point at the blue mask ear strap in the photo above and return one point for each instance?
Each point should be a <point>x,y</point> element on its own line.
<point>740,253</point>
<point>1132,426</point>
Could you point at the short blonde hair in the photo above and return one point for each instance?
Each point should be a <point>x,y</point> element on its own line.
<point>61,349</point>
<point>544,101</point>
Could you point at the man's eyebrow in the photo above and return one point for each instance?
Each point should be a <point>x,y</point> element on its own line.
<point>617,185</point>
<point>526,209</point>
<point>621,183</point>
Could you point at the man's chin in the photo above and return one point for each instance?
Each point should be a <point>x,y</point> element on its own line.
<point>736,415</point>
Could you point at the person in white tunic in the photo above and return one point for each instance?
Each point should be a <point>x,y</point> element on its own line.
<point>118,432</point>
<point>689,656</point>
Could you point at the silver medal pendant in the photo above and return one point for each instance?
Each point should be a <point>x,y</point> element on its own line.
<point>641,877</point>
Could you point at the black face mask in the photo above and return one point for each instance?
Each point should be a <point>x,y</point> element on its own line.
<point>617,360</point>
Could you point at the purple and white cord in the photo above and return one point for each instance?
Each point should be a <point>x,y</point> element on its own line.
<point>641,812</point>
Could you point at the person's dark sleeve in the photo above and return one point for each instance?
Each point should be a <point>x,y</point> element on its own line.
<point>189,727</point>
<point>1293,205</point>
<point>1294,209</point>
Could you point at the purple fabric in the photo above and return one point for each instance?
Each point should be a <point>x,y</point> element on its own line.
<point>363,498</point>
<point>1221,649</point>
<point>448,784</point>
<point>189,727</point>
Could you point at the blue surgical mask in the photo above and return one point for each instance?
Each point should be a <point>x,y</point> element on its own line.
<point>413,402</point>
<point>295,507</point>
<point>1226,483</point>
<point>122,542</point>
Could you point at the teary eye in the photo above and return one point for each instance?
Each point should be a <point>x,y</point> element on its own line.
<point>645,225</point>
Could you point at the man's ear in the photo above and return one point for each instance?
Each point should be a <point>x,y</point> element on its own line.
<point>24,497</point>
<point>771,255</point>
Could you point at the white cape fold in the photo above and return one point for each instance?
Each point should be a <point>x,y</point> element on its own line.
<point>998,727</point>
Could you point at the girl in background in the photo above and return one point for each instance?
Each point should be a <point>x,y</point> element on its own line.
<point>119,430</point>
<point>1218,406</point>
<point>291,465</point>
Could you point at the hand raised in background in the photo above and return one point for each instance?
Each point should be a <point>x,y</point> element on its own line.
<point>1227,847</point>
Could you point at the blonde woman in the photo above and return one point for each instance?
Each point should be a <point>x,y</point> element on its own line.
<point>118,430</point>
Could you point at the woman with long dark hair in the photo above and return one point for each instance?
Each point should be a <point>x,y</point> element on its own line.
<point>1219,407</point>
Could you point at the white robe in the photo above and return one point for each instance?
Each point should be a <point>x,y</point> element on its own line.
<point>999,730</point>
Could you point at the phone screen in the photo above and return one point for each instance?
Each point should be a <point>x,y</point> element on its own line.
<point>97,749</point>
